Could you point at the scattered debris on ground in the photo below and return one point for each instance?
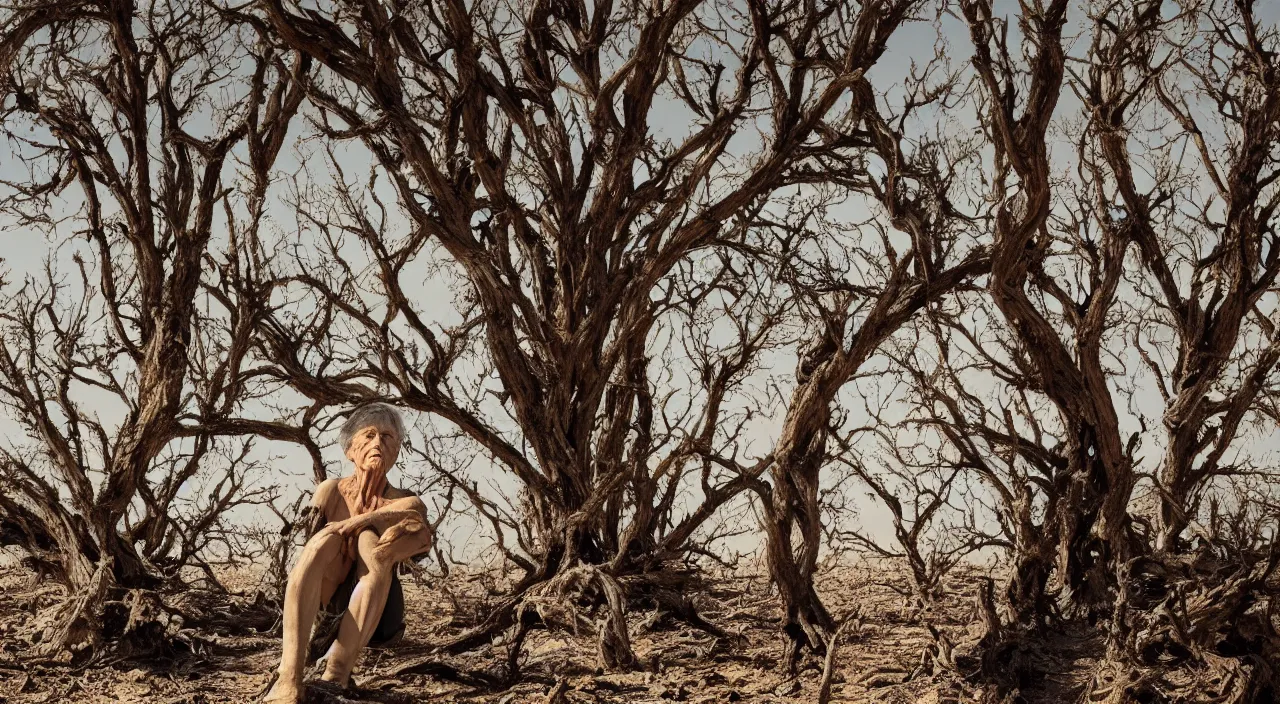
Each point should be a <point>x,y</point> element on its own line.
<point>880,652</point>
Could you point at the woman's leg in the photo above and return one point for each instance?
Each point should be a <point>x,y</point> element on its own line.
<point>315,574</point>
<point>378,556</point>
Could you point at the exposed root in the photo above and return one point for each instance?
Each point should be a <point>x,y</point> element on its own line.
<point>439,669</point>
<point>1194,629</point>
<point>584,598</point>
<point>74,626</point>
<point>579,599</point>
<point>572,597</point>
<point>103,624</point>
<point>802,633</point>
<point>668,591</point>
<point>498,619</point>
<point>556,695</point>
<point>990,669</point>
<point>516,645</point>
<point>321,692</point>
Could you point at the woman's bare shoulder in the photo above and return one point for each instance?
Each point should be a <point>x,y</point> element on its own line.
<point>324,493</point>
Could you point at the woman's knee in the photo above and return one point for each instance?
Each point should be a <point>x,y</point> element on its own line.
<point>320,548</point>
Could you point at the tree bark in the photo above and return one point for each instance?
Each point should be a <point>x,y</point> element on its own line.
<point>793,523</point>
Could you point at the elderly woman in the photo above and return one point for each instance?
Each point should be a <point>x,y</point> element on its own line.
<point>368,527</point>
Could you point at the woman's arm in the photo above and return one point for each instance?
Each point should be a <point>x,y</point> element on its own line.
<point>316,516</point>
<point>385,517</point>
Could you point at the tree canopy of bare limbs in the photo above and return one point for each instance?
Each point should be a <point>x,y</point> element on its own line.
<point>527,143</point>
<point>1126,332</point>
<point>149,135</point>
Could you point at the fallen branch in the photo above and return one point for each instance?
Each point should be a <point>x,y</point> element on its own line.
<point>828,666</point>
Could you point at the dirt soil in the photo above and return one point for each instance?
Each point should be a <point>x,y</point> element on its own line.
<point>884,645</point>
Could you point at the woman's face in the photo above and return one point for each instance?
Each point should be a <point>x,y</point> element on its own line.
<point>374,448</point>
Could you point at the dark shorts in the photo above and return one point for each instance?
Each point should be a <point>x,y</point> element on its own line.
<point>390,626</point>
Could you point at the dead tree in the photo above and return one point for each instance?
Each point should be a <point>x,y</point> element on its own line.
<point>1205,232</point>
<point>1202,274</point>
<point>527,146</point>
<point>1018,103</point>
<point>858,289</point>
<point>969,389</point>
<point>123,360</point>
<point>674,417</point>
<point>1138,255</point>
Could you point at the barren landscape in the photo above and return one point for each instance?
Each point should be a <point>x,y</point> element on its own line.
<point>606,294</point>
<point>879,659</point>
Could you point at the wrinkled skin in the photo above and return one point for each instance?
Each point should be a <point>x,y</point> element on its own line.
<point>369,526</point>
<point>372,452</point>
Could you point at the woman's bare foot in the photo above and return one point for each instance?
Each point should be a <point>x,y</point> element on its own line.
<point>283,693</point>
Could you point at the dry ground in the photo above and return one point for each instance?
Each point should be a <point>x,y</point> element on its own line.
<point>678,663</point>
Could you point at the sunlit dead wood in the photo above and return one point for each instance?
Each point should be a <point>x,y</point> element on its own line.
<point>1170,218</point>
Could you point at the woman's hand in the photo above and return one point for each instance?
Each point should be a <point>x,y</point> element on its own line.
<point>349,530</point>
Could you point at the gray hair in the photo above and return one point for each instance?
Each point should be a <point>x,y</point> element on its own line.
<point>382,415</point>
